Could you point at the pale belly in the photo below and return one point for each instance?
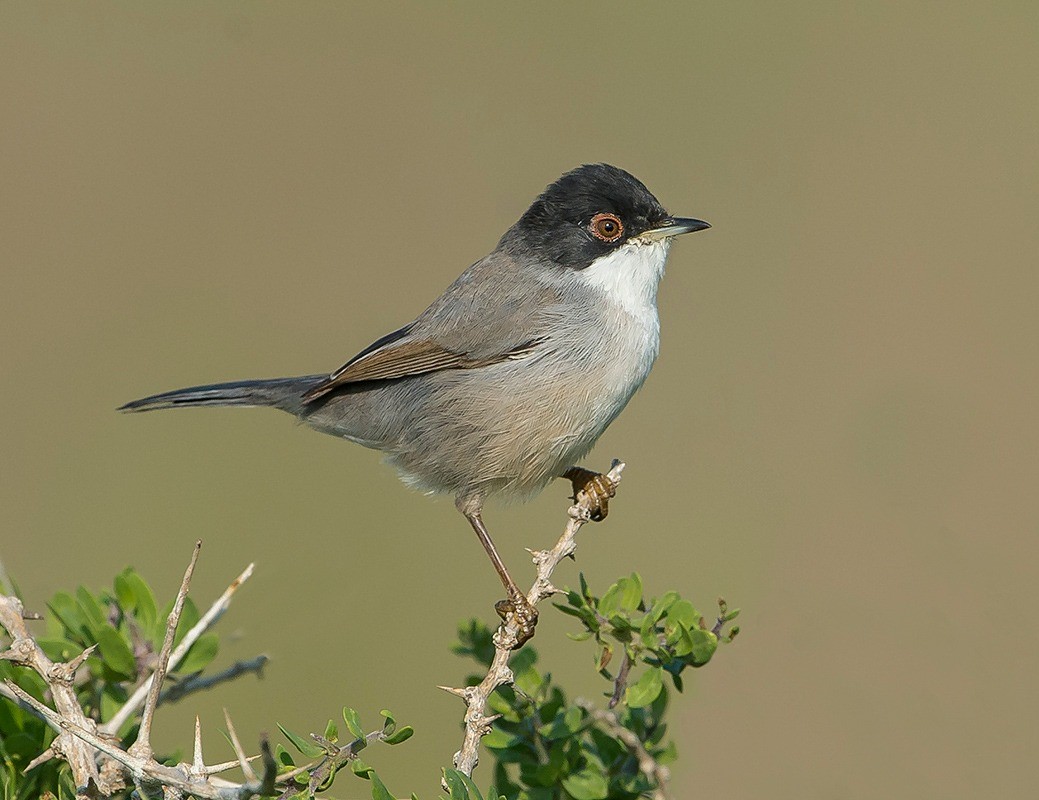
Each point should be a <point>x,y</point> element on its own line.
<point>512,432</point>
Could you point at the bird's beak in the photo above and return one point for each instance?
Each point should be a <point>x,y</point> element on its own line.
<point>675,226</point>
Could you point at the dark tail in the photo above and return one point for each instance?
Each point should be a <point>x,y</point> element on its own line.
<point>283,393</point>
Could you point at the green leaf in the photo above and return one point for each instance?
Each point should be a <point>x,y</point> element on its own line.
<point>65,608</point>
<point>331,732</point>
<point>145,609</point>
<point>59,649</point>
<point>588,784</point>
<point>66,788</point>
<point>576,604</point>
<point>116,652</point>
<point>402,734</point>
<point>113,697</point>
<point>379,790</point>
<point>704,645</point>
<point>201,654</point>
<point>527,678</point>
<point>470,787</point>
<point>497,704</point>
<point>648,630</point>
<point>353,722</point>
<point>667,755</point>
<point>91,610</point>
<point>498,739</point>
<point>309,749</point>
<point>682,612</point>
<point>645,690</point>
<point>188,617</point>
<point>681,640</point>
<point>124,593</point>
<point>539,793</point>
<point>361,769</point>
<point>610,602</point>
<point>663,604</point>
<point>283,756</point>
<point>389,722</point>
<point>455,785</point>
<point>573,719</point>
<point>631,592</point>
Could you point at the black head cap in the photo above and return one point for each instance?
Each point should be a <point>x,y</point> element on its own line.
<point>586,214</point>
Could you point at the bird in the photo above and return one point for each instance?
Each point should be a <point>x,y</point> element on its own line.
<point>510,376</point>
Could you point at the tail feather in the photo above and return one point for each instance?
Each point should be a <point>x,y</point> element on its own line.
<point>283,393</point>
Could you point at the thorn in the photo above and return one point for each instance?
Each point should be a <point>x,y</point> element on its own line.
<point>77,662</point>
<point>247,770</point>
<point>463,693</point>
<point>225,766</point>
<point>197,763</point>
<point>142,747</point>
<point>46,755</point>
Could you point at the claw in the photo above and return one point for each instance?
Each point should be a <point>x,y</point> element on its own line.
<point>597,488</point>
<point>519,610</point>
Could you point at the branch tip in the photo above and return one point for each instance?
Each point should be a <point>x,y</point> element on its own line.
<point>243,762</point>
<point>143,744</point>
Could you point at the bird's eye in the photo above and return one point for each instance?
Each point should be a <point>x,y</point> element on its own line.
<point>607,227</point>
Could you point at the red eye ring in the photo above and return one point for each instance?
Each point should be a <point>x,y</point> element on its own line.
<point>607,227</point>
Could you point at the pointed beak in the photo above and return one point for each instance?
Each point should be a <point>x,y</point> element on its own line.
<point>674,226</point>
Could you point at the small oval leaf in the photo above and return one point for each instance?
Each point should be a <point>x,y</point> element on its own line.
<point>645,690</point>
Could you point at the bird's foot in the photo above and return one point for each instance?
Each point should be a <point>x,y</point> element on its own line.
<point>598,488</point>
<point>518,610</point>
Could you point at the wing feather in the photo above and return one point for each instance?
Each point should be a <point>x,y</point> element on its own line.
<point>493,312</point>
<point>404,357</point>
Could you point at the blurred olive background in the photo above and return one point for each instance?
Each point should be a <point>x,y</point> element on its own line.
<point>839,435</point>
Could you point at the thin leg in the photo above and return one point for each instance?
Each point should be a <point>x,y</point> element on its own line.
<point>485,539</point>
<point>515,604</point>
<point>598,488</point>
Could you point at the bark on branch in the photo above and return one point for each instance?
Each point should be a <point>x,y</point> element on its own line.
<point>477,721</point>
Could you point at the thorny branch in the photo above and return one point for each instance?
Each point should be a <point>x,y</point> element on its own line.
<point>69,715</point>
<point>100,766</point>
<point>206,621</point>
<point>477,722</point>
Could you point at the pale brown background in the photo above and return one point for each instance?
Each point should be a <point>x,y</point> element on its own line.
<point>840,434</point>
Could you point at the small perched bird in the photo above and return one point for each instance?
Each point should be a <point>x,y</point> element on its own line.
<point>513,373</point>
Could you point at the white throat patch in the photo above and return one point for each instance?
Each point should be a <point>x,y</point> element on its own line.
<point>629,276</point>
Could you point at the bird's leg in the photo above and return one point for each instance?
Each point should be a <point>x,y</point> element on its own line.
<point>515,604</point>
<point>596,486</point>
